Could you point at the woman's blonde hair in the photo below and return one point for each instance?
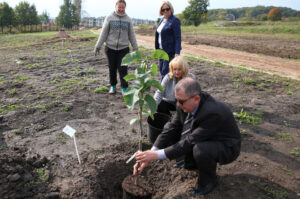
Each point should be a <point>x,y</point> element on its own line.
<point>170,6</point>
<point>179,62</point>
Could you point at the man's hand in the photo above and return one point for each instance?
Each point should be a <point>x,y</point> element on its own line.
<point>97,51</point>
<point>139,167</point>
<point>146,156</point>
<point>143,159</point>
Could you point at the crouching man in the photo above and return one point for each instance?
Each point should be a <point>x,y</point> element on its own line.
<point>202,133</point>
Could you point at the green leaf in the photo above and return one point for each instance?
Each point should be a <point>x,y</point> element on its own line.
<point>129,77</point>
<point>147,112</point>
<point>132,57</point>
<point>154,83</point>
<point>154,69</point>
<point>131,97</point>
<point>160,54</point>
<point>132,121</point>
<point>151,103</point>
<point>141,102</point>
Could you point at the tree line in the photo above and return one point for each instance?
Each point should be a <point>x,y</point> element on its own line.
<point>251,13</point>
<point>195,13</point>
<point>24,15</point>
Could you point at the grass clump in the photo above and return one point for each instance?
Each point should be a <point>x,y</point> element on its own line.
<point>295,151</point>
<point>42,174</point>
<point>1,80</point>
<point>62,138</point>
<point>253,118</point>
<point>21,79</point>
<point>284,136</point>
<point>67,108</point>
<point>102,89</point>
<point>12,92</point>
<point>248,80</point>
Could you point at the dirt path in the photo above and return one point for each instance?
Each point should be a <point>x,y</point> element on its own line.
<point>269,64</point>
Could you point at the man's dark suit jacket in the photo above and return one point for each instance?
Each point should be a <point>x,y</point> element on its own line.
<point>213,121</point>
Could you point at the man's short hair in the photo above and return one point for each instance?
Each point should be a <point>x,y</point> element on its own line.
<point>190,86</point>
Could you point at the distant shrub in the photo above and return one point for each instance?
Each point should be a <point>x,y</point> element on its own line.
<point>263,17</point>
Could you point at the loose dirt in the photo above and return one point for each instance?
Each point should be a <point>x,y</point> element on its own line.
<point>239,51</point>
<point>44,87</point>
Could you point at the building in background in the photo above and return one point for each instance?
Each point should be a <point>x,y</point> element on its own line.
<point>92,21</point>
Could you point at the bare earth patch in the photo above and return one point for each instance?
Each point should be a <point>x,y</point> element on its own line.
<point>238,51</point>
<point>44,87</point>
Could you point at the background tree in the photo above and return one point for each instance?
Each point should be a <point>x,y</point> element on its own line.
<point>26,14</point>
<point>67,16</point>
<point>7,16</point>
<point>78,5</point>
<point>274,14</point>
<point>196,12</point>
<point>44,18</point>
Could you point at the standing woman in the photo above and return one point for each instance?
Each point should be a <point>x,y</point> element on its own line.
<point>167,36</point>
<point>117,32</point>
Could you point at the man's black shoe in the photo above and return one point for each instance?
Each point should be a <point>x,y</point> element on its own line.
<point>202,190</point>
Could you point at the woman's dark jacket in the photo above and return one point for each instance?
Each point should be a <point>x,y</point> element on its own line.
<point>170,36</point>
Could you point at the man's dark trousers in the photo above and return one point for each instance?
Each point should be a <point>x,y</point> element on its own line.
<point>205,157</point>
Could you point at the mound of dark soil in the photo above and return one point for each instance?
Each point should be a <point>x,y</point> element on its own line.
<point>20,176</point>
<point>61,34</point>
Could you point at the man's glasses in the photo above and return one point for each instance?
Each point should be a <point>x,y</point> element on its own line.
<point>165,9</point>
<point>183,101</point>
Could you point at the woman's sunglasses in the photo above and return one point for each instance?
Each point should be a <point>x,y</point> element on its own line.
<point>165,9</point>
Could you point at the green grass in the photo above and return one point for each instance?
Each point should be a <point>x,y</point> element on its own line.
<point>1,80</point>
<point>247,80</point>
<point>83,33</point>
<point>20,79</point>
<point>23,39</point>
<point>67,108</point>
<point>62,138</point>
<point>102,89</point>
<point>253,118</point>
<point>295,151</point>
<point>35,65</point>
<point>42,174</point>
<point>284,136</point>
<point>12,92</point>
<point>5,109</point>
<point>274,29</point>
<point>15,40</point>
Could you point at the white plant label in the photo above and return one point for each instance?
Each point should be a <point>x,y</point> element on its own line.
<point>69,131</point>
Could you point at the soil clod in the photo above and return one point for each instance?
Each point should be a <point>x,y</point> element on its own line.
<point>133,190</point>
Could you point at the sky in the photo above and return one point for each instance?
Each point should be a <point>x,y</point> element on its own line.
<point>147,9</point>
